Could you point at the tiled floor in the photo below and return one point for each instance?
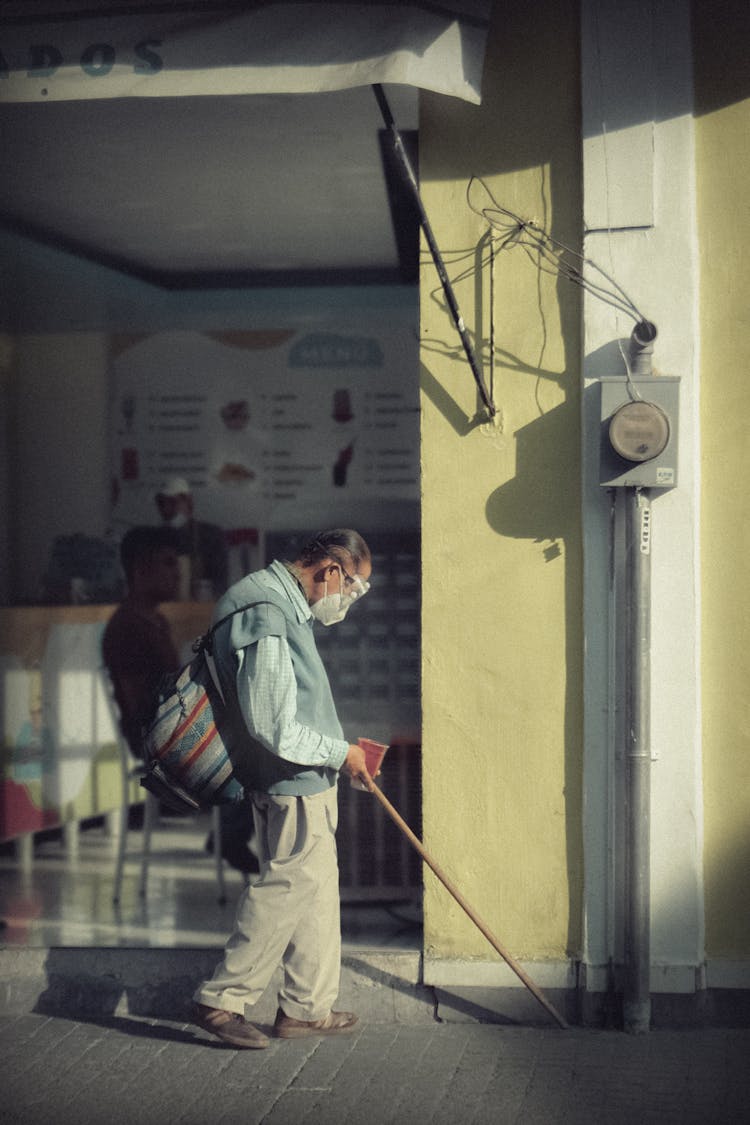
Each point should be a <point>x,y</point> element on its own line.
<point>61,898</point>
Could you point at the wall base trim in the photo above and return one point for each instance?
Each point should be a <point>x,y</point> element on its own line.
<point>728,974</point>
<point>666,978</point>
<point>716,994</point>
<point>442,972</point>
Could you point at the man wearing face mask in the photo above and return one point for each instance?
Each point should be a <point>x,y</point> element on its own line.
<point>287,749</point>
<point>201,546</point>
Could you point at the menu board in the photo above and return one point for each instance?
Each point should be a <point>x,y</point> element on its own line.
<point>269,427</point>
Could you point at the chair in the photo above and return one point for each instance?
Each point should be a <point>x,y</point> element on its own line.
<point>131,768</point>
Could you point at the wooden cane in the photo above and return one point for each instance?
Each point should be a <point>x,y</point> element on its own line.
<point>416,843</point>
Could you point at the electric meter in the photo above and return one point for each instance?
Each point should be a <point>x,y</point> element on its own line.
<point>639,431</point>
<point>638,439</point>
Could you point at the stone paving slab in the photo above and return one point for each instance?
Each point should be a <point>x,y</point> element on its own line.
<point>138,1071</point>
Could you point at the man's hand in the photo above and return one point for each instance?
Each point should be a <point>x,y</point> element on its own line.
<point>354,764</point>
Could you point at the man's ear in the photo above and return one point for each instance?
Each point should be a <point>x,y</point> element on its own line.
<point>323,568</point>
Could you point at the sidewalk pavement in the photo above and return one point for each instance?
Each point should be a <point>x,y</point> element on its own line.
<point>139,1071</point>
<point>101,1035</point>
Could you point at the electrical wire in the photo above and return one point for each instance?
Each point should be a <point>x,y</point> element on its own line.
<point>493,255</point>
<point>550,255</point>
<point>635,394</point>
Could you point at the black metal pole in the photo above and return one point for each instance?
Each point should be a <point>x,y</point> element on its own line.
<point>450,296</point>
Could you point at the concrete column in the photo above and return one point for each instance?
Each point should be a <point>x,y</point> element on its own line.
<point>640,218</point>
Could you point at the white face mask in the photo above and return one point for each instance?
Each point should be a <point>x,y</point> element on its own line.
<point>329,610</point>
<point>177,521</point>
<point>332,608</point>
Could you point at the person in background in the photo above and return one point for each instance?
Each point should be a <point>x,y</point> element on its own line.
<point>204,565</point>
<point>288,749</point>
<point>137,646</point>
<point>201,546</point>
<point>138,652</point>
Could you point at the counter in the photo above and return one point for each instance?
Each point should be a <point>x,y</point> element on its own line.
<point>59,760</point>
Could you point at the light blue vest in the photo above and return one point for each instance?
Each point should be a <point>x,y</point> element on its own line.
<point>255,766</point>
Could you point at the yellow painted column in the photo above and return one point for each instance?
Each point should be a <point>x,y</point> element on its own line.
<point>722,176</point>
<point>501,518</point>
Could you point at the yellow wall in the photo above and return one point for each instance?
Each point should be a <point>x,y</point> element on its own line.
<point>723,179</point>
<point>501,508</point>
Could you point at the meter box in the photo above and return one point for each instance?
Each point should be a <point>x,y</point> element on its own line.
<point>639,429</point>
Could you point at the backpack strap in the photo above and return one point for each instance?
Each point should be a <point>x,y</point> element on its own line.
<point>205,642</point>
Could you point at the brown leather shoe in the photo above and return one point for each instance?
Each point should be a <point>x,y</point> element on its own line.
<point>335,1023</point>
<point>228,1026</point>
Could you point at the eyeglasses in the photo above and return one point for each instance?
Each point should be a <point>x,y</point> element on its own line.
<point>356,587</point>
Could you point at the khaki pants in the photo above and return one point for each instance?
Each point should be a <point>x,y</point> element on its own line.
<point>290,916</point>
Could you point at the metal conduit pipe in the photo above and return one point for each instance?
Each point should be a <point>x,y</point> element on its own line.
<point>642,347</point>
<point>636,993</point>
<point>637,984</point>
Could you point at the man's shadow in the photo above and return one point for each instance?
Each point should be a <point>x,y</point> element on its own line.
<point>87,986</point>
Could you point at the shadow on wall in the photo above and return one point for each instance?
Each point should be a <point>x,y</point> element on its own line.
<point>542,503</point>
<point>725,872</point>
<point>536,504</point>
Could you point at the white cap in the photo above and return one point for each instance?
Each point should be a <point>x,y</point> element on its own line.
<point>174,486</point>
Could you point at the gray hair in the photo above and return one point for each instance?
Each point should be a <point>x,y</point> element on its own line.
<point>334,544</point>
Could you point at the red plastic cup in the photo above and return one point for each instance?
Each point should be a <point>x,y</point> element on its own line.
<point>374,754</point>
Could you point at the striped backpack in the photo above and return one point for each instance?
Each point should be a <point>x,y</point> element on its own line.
<point>185,743</point>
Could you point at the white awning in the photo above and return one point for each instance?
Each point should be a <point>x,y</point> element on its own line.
<point>55,51</point>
